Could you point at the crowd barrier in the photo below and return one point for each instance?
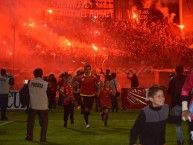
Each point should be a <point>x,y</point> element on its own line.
<point>131,98</point>
<point>136,98</point>
<point>13,101</point>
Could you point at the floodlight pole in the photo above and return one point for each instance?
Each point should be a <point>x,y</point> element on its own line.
<point>180,12</point>
<point>13,53</point>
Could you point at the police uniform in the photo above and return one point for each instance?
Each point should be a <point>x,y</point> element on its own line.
<point>38,105</point>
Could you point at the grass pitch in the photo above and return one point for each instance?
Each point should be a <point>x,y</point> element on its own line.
<point>12,132</point>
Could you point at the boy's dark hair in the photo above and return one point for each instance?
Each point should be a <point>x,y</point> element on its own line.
<point>38,72</point>
<point>69,75</point>
<point>82,72</point>
<point>51,75</point>
<point>108,71</point>
<point>62,75</point>
<point>3,72</point>
<point>87,66</point>
<point>153,90</point>
<point>78,72</point>
<point>113,75</point>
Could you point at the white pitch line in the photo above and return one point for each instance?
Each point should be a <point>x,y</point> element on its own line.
<point>6,123</point>
<point>100,120</point>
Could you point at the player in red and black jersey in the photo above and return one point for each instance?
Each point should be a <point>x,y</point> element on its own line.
<point>87,92</point>
<point>68,100</point>
<point>105,98</point>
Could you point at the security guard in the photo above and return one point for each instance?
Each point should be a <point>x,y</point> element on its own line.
<point>5,85</point>
<point>38,105</point>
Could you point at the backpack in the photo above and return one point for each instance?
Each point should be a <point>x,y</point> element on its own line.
<point>24,96</point>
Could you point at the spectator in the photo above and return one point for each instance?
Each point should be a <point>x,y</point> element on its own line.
<point>133,78</point>
<point>149,42</point>
<point>106,74</point>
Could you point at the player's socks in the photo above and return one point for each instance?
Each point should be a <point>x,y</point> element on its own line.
<point>86,117</point>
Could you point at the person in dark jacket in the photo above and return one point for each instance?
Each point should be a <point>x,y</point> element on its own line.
<point>52,83</point>
<point>133,78</point>
<point>174,90</point>
<point>150,125</point>
<point>107,74</point>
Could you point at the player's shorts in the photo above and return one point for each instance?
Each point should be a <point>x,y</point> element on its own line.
<point>88,101</point>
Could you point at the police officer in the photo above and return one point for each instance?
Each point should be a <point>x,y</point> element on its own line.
<point>38,105</point>
<point>5,84</point>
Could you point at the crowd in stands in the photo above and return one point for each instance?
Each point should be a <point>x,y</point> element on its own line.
<point>157,41</point>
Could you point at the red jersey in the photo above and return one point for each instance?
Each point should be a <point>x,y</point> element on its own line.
<point>68,93</point>
<point>87,84</point>
<point>53,87</point>
<point>105,97</point>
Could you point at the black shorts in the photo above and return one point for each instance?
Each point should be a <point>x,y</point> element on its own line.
<point>88,101</point>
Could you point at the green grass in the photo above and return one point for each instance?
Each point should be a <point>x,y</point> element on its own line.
<point>117,132</point>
